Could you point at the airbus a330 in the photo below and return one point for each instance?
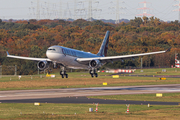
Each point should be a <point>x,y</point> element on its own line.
<point>75,59</point>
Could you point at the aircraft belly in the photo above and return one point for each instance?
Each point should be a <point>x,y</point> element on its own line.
<point>71,62</point>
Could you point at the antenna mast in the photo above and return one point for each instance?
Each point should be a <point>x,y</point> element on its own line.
<point>90,10</point>
<point>117,12</point>
<point>38,11</point>
<point>144,10</point>
<point>178,5</point>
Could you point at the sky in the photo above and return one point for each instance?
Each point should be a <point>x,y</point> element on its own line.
<point>75,9</point>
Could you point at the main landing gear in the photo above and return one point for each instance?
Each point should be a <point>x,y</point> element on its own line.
<point>93,73</point>
<point>63,72</point>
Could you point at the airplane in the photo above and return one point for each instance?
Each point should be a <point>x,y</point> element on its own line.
<point>75,59</point>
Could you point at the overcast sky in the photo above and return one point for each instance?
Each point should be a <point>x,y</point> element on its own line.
<point>101,9</point>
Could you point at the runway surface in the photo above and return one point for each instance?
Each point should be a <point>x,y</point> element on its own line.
<point>86,100</point>
<point>158,76</point>
<point>77,95</point>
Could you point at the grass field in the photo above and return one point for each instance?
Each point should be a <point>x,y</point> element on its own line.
<point>42,83</point>
<point>169,71</point>
<point>167,97</point>
<point>80,111</point>
<point>83,79</point>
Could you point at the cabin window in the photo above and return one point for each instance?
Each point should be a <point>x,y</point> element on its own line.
<point>69,52</point>
<point>52,49</point>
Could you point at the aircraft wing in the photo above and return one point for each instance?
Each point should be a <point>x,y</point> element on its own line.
<point>115,58</point>
<point>27,58</point>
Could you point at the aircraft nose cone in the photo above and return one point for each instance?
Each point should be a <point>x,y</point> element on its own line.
<point>48,54</point>
<point>54,55</point>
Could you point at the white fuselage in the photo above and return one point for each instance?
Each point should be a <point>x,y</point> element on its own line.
<point>67,56</point>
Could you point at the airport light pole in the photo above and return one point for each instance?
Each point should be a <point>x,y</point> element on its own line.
<point>0,71</point>
<point>15,70</point>
<point>141,63</point>
<point>178,5</point>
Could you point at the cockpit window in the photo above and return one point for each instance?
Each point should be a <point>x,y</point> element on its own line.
<point>52,49</point>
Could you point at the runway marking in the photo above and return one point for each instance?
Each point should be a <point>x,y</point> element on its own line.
<point>94,91</point>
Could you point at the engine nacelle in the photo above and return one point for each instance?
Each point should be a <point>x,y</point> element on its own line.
<point>42,65</point>
<point>95,64</point>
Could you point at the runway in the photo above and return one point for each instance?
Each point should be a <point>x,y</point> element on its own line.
<point>69,94</point>
<point>158,76</point>
<point>85,100</point>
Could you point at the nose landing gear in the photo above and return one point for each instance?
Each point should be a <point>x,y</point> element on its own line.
<point>54,65</point>
<point>63,72</point>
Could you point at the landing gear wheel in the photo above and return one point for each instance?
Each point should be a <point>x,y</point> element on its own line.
<point>92,75</point>
<point>62,76</point>
<point>60,72</point>
<point>90,71</point>
<point>66,75</point>
<point>96,75</point>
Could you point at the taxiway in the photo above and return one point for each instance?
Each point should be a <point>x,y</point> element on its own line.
<point>70,95</point>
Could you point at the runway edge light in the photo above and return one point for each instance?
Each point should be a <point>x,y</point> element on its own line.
<point>159,94</point>
<point>162,78</point>
<point>36,103</point>
<point>115,76</point>
<point>105,83</point>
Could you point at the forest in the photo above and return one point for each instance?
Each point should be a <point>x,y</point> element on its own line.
<point>32,38</point>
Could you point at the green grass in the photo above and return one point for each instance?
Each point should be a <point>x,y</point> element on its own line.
<point>9,78</point>
<point>78,80</point>
<point>80,111</point>
<point>167,97</point>
<point>83,79</point>
<point>169,71</point>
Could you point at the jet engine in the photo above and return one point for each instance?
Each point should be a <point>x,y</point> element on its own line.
<point>42,65</point>
<point>94,63</point>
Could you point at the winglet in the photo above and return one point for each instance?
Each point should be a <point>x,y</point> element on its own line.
<point>7,52</point>
<point>168,49</point>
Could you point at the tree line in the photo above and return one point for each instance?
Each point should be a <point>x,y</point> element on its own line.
<point>33,37</point>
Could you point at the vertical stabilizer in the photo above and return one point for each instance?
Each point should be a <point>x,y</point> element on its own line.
<point>104,46</point>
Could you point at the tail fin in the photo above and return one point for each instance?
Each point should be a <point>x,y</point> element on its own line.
<point>104,45</point>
